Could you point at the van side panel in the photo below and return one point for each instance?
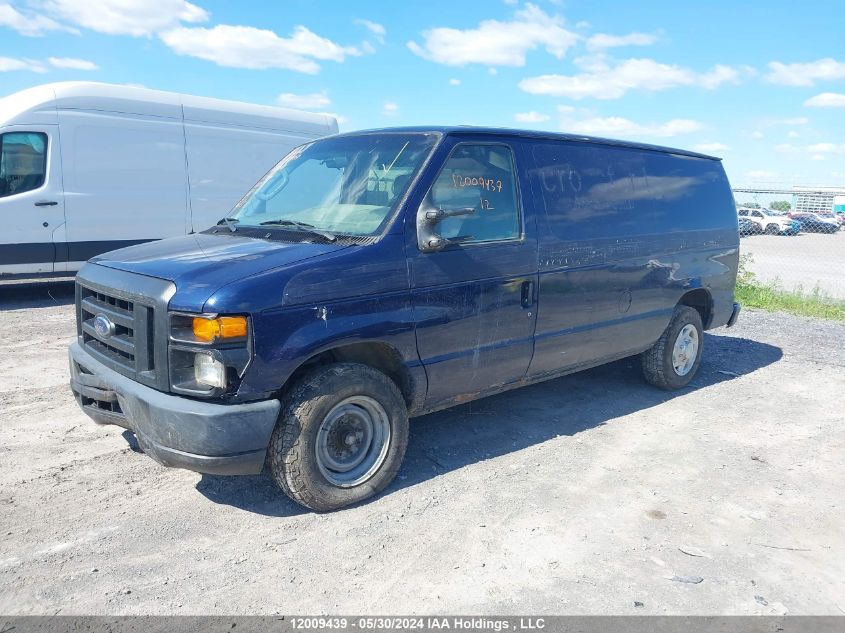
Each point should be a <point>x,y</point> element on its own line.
<point>624,234</point>
<point>225,161</point>
<point>703,228</point>
<point>124,178</point>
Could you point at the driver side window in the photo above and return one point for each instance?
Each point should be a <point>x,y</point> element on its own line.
<point>479,177</point>
<point>23,162</point>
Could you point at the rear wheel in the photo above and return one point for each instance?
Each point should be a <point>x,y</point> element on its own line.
<point>673,360</point>
<point>340,438</point>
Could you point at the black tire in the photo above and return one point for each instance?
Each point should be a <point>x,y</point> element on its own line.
<point>772,229</point>
<point>657,361</point>
<point>292,455</point>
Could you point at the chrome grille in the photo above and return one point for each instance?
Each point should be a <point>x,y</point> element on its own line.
<point>120,346</point>
<point>136,344</point>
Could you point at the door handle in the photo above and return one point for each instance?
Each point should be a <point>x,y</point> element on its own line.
<point>527,294</point>
<point>46,203</point>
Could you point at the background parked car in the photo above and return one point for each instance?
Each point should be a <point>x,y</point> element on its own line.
<point>816,222</point>
<point>831,217</point>
<point>771,222</point>
<point>747,227</point>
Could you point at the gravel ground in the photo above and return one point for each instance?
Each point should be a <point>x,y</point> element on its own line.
<point>801,261</point>
<point>581,495</point>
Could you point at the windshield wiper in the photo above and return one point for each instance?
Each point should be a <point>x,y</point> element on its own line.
<point>230,223</point>
<point>302,226</point>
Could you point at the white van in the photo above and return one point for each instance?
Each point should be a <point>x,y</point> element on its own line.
<point>86,168</point>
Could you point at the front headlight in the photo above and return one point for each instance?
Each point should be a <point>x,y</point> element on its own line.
<point>208,353</point>
<point>209,371</point>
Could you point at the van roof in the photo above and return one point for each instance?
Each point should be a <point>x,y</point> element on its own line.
<point>538,134</point>
<point>89,95</point>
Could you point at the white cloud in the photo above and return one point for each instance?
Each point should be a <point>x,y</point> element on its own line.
<point>826,148</point>
<point>126,17</point>
<point>8,64</point>
<point>711,147</point>
<point>767,123</point>
<point>719,75</point>
<point>497,43</point>
<point>808,74</point>
<point>531,117</point>
<point>826,100</point>
<point>250,47</point>
<point>390,109</point>
<point>612,82</point>
<point>793,134</point>
<point>30,25</point>
<point>375,28</point>
<point>625,128</point>
<point>71,63</point>
<point>311,101</point>
<point>601,41</point>
<point>454,82</point>
<point>816,151</point>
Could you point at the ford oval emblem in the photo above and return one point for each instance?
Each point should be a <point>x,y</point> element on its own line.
<point>103,326</point>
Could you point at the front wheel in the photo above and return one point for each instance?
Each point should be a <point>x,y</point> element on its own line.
<point>772,229</point>
<point>340,438</point>
<point>672,362</point>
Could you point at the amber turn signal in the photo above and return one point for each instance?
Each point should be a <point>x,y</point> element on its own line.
<point>221,327</point>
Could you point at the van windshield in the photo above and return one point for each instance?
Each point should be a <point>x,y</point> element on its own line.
<point>346,184</point>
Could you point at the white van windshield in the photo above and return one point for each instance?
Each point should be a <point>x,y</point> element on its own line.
<point>346,184</point>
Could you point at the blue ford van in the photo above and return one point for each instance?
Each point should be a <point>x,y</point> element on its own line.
<point>374,276</point>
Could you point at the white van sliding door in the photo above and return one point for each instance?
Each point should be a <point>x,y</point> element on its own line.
<point>32,209</point>
<point>125,180</point>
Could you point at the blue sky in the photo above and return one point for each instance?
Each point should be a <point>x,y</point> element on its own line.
<point>761,84</point>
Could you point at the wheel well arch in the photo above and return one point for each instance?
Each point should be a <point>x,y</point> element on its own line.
<point>380,356</point>
<point>701,300</point>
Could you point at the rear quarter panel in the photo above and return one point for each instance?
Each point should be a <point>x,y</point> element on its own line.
<point>624,234</point>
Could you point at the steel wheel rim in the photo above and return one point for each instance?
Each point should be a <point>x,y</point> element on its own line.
<point>685,350</point>
<point>352,441</point>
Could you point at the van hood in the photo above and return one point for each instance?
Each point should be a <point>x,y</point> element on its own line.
<point>201,263</point>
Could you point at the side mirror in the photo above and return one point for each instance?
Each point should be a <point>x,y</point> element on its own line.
<point>428,238</point>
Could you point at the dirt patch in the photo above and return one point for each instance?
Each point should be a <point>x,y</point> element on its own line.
<point>581,495</point>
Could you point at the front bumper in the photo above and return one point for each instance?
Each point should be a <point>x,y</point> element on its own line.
<point>734,315</point>
<point>175,431</point>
